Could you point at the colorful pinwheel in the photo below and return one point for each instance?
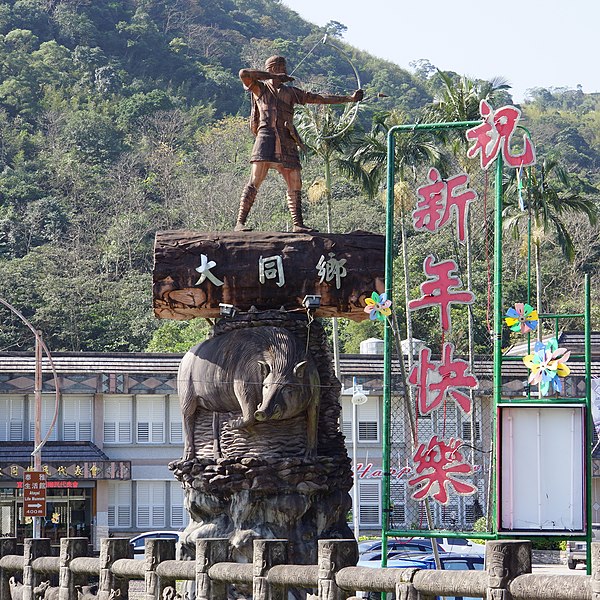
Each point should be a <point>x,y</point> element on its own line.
<point>547,365</point>
<point>378,306</point>
<point>522,317</point>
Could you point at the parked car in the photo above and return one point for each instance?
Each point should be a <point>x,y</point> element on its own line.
<point>460,546</point>
<point>398,549</point>
<point>449,561</point>
<point>456,545</point>
<point>577,551</point>
<point>139,541</point>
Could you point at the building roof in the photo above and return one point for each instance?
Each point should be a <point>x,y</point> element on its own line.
<point>92,362</point>
<point>20,452</point>
<point>165,365</point>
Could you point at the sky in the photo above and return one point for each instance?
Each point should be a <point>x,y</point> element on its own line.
<point>529,43</point>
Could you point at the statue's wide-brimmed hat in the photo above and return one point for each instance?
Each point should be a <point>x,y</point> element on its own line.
<point>274,60</point>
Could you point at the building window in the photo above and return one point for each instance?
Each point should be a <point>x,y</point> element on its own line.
<point>398,499</point>
<point>11,418</point>
<point>347,430</point>
<point>175,424</point>
<point>77,418</point>
<point>368,421</point>
<point>117,419</point>
<point>369,503</point>
<point>367,416</point>
<point>177,509</point>
<point>466,431</point>
<point>48,410</point>
<point>150,419</point>
<point>119,503</point>
<point>150,504</point>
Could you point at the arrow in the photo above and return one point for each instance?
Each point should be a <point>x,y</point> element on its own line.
<point>38,505</point>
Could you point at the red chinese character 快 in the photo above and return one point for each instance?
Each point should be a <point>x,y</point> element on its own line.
<point>436,380</point>
<point>494,135</point>
<point>439,199</point>
<point>440,289</point>
<point>438,464</point>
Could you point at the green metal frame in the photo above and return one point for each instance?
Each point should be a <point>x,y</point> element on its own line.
<point>497,349</point>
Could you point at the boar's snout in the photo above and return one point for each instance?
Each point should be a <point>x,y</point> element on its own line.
<point>266,414</point>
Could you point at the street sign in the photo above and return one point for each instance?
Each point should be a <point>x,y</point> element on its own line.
<point>34,494</point>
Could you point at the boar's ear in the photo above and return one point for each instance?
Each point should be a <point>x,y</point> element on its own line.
<point>265,369</point>
<point>300,368</point>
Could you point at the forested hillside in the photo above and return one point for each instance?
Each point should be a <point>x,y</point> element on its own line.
<point>121,118</point>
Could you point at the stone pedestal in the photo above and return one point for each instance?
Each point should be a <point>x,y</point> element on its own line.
<point>263,486</point>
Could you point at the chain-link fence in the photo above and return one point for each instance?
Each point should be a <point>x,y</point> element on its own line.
<point>442,425</point>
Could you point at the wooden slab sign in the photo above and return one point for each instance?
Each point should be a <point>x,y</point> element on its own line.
<point>195,272</point>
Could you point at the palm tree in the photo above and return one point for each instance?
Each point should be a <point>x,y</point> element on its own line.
<point>326,135</point>
<point>367,164</point>
<point>550,201</point>
<point>458,100</point>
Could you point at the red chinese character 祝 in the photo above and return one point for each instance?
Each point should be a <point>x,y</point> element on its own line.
<point>494,134</point>
<point>436,380</point>
<point>438,201</point>
<point>437,465</point>
<point>440,289</point>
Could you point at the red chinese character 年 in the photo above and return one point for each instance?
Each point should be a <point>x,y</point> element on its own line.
<point>494,136</point>
<point>441,289</point>
<point>439,199</point>
<point>438,464</point>
<point>437,380</point>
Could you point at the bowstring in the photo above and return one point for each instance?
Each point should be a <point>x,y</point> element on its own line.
<point>322,41</point>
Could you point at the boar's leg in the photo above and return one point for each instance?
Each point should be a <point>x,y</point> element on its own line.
<point>189,404</point>
<point>248,398</point>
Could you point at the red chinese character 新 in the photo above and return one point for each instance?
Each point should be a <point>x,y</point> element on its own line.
<point>440,289</point>
<point>437,466</point>
<point>438,200</point>
<point>494,135</point>
<point>435,380</point>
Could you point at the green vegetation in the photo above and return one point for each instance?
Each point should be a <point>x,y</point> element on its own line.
<point>118,119</point>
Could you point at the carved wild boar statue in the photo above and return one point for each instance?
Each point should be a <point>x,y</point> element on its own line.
<point>264,372</point>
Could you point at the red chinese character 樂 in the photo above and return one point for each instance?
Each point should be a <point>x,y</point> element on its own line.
<point>437,466</point>
<point>441,289</point>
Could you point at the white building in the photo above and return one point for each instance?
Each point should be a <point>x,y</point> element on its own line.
<point>119,426</point>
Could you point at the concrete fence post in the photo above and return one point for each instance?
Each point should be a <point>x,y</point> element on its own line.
<point>210,551</point>
<point>595,572</point>
<point>334,555</point>
<point>70,548</point>
<point>267,554</point>
<point>157,550</point>
<point>32,549</point>
<point>112,549</point>
<point>7,546</point>
<point>505,560</point>
<point>406,591</point>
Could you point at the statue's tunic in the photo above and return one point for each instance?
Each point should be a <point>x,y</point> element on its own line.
<point>277,139</point>
<point>272,122</point>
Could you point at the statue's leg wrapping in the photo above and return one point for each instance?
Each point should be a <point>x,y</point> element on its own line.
<point>246,202</point>
<point>294,202</point>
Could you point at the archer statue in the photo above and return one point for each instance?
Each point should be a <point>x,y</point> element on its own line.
<point>277,140</point>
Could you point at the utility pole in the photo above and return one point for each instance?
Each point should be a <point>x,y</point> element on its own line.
<point>37,443</point>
